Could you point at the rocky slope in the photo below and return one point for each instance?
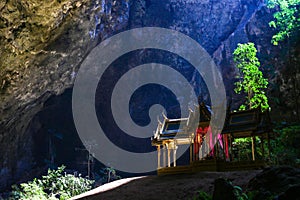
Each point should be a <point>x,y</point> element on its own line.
<point>44,42</point>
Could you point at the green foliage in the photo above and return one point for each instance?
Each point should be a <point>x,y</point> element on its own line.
<point>252,194</point>
<point>31,190</point>
<point>242,148</point>
<point>202,196</point>
<point>251,78</point>
<point>285,146</point>
<point>55,185</point>
<point>109,174</point>
<point>238,192</point>
<point>286,20</point>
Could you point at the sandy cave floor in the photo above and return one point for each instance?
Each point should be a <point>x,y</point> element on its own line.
<point>183,186</point>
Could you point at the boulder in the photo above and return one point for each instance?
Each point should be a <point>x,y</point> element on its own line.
<point>281,181</point>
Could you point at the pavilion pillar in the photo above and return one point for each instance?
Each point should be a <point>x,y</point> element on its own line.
<point>262,147</point>
<point>217,147</point>
<point>231,149</point>
<point>253,148</point>
<point>174,155</point>
<point>224,146</point>
<point>191,153</point>
<point>164,156</point>
<point>158,156</point>
<point>169,157</point>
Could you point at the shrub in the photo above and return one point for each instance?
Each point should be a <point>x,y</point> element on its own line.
<point>285,146</point>
<point>109,174</point>
<point>55,185</point>
<point>239,194</point>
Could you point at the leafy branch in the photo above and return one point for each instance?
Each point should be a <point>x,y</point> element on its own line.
<point>286,20</point>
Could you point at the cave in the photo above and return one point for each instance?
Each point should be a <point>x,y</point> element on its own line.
<point>44,45</point>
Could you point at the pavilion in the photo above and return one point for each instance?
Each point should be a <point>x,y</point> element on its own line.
<point>212,152</point>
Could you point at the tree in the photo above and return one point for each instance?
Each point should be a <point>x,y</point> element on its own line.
<point>251,80</point>
<point>287,19</point>
<point>287,22</point>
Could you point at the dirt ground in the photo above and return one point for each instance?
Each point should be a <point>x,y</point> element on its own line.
<point>183,186</point>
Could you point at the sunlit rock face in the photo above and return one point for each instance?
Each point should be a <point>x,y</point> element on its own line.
<point>42,46</point>
<point>44,42</point>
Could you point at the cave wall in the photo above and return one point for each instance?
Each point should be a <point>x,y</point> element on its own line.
<point>219,27</point>
<point>42,46</point>
<point>44,42</point>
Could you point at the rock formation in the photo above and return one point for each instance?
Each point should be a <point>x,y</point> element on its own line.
<point>44,42</point>
<point>42,46</point>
